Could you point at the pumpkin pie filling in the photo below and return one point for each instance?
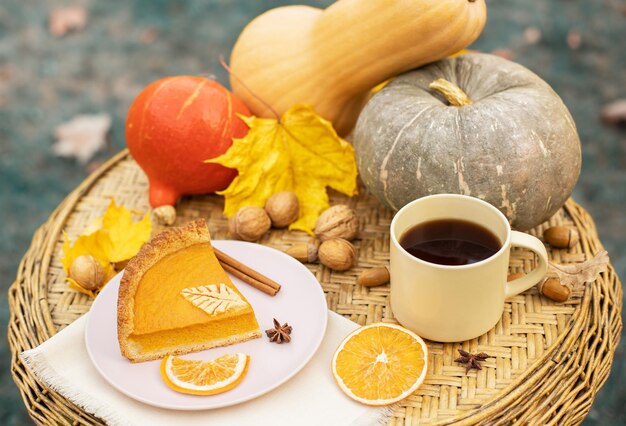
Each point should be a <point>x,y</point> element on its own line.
<point>183,301</point>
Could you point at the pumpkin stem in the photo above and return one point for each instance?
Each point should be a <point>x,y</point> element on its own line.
<point>227,68</point>
<point>453,93</point>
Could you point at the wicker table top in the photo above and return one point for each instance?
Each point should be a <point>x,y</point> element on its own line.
<point>550,359</point>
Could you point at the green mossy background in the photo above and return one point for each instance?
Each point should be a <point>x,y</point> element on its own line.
<point>45,81</point>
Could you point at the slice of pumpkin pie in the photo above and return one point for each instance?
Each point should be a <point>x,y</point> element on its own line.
<point>175,298</point>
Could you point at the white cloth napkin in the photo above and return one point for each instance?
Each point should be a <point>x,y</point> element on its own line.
<point>309,398</point>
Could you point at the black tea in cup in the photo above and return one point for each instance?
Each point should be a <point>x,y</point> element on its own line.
<point>450,242</point>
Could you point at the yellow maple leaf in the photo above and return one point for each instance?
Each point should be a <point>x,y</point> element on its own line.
<point>112,238</point>
<point>300,153</point>
<point>93,245</point>
<point>126,236</point>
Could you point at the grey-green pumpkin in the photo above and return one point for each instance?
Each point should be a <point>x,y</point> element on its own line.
<point>515,145</point>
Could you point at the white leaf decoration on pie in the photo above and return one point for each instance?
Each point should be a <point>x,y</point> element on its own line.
<point>214,299</point>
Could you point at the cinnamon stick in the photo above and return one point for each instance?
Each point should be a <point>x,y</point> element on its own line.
<point>247,274</point>
<point>249,280</point>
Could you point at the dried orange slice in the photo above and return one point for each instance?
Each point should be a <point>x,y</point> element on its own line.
<point>204,377</point>
<point>380,364</point>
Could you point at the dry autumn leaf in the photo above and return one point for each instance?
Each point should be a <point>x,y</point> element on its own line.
<point>300,153</point>
<point>67,18</point>
<point>82,136</point>
<point>588,271</point>
<point>574,39</point>
<point>614,113</point>
<point>111,239</point>
<point>532,35</point>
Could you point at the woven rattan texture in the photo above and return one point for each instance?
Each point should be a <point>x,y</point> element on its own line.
<point>550,359</point>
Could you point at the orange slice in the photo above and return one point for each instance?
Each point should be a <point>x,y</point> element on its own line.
<point>380,364</point>
<point>204,377</point>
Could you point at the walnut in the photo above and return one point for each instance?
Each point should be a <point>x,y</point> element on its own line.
<point>165,215</point>
<point>283,209</point>
<point>87,271</point>
<point>338,221</point>
<point>249,223</point>
<point>337,254</point>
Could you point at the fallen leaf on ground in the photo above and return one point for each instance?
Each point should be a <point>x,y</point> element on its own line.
<point>82,136</point>
<point>532,35</point>
<point>614,113</point>
<point>300,153</point>
<point>149,35</point>
<point>67,18</point>
<point>580,273</point>
<point>574,39</point>
<point>111,239</point>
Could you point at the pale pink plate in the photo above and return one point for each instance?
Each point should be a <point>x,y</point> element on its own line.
<point>300,302</point>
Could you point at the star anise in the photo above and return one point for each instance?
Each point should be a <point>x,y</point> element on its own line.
<point>471,360</point>
<point>280,333</point>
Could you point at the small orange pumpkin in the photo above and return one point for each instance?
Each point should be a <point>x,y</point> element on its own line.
<point>177,123</point>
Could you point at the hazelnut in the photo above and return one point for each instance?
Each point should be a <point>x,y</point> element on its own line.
<point>305,253</point>
<point>515,276</point>
<point>87,272</point>
<point>553,289</point>
<point>337,254</point>
<point>373,277</point>
<point>249,223</point>
<point>164,215</point>
<point>561,236</point>
<point>338,221</point>
<point>283,209</point>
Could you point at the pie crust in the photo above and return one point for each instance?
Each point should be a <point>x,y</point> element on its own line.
<point>155,315</point>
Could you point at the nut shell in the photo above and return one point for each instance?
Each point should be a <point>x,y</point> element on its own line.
<point>337,254</point>
<point>561,236</point>
<point>249,223</point>
<point>305,253</point>
<point>373,277</point>
<point>338,221</point>
<point>515,276</point>
<point>553,289</point>
<point>87,271</point>
<point>283,209</point>
<point>165,215</point>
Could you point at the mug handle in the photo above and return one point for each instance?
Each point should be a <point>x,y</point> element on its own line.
<point>520,239</point>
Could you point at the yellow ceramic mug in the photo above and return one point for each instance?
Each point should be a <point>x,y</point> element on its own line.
<point>456,303</point>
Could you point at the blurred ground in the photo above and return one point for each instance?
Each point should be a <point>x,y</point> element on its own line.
<point>577,46</point>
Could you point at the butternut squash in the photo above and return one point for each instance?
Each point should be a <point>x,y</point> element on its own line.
<point>332,58</point>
